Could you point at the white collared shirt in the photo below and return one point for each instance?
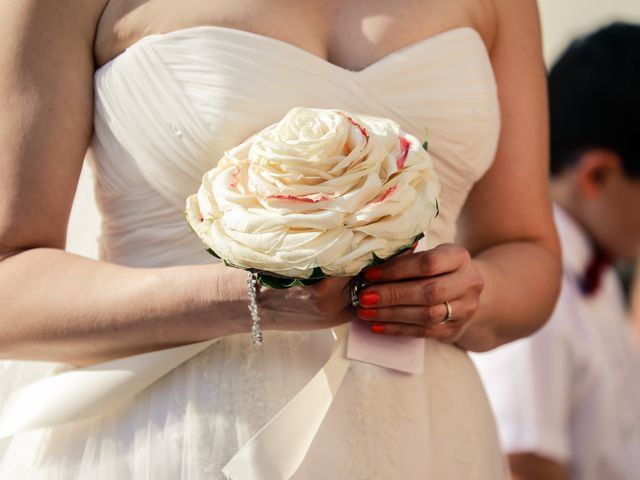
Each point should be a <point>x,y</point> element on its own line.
<point>571,391</point>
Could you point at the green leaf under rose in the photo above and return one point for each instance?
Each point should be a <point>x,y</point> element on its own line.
<point>270,280</point>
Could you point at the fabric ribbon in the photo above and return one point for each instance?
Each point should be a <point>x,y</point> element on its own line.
<point>275,452</point>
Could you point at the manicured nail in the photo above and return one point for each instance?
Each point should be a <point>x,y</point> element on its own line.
<point>377,328</point>
<point>367,312</point>
<point>374,273</point>
<point>369,298</point>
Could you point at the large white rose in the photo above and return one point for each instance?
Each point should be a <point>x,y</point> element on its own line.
<point>321,188</point>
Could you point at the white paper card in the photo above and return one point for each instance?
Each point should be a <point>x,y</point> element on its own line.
<point>405,354</point>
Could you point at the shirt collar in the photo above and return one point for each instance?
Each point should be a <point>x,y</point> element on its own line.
<point>576,246</point>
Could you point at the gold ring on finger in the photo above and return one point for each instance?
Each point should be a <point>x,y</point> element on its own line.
<point>449,315</point>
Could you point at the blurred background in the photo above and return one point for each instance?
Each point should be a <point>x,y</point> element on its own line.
<point>563,20</point>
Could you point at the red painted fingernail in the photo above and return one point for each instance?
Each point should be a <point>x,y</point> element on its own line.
<point>377,328</point>
<point>367,312</point>
<point>369,298</point>
<point>374,273</point>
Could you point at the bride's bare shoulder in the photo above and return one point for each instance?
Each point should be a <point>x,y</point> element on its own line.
<point>31,20</point>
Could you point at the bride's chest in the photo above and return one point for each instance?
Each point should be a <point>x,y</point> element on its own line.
<point>352,34</point>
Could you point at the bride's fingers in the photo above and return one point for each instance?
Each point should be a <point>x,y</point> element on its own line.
<point>427,291</point>
<point>423,316</point>
<point>444,258</point>
<point>446,333</point>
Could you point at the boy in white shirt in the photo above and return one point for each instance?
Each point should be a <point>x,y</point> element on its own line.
<point>567,399</point>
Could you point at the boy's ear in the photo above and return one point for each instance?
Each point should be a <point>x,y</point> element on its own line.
<point>594,169</point>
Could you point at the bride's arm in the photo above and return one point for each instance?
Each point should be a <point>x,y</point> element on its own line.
<point>502,278</point>
<point>55,305</point>
<point>61,307</point>
<point>507,223</point>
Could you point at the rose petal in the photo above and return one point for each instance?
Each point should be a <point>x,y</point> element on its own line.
<point>404,150</point>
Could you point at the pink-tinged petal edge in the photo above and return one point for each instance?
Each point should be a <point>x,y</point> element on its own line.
<point>311,198</point>
<point>404,151</point>
<point>236,177</point>
<point>353,122</point>
<point>384,196</point>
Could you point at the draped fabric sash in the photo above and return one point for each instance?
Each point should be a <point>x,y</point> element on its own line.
<point>274,452</point>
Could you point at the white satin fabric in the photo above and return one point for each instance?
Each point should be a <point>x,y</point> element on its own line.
<point>165,111</point>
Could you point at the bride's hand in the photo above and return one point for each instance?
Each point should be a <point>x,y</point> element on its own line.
<point>322,305</point>
<point>407,294</point>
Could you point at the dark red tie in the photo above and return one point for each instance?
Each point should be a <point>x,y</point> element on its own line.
<point>592,278</point>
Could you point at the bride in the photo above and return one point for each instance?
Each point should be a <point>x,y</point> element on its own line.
<point>152,93</point>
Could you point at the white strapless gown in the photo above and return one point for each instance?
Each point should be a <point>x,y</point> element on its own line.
<point>165,110</point>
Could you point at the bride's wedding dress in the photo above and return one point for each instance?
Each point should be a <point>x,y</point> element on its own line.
<point>165,111</point>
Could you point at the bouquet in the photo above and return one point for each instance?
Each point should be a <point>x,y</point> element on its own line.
<point>321,192</point>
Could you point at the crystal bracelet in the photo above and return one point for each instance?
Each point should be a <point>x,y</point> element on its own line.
<point>256,332</point>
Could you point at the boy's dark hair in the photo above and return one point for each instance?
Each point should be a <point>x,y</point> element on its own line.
<point>594,97</point>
